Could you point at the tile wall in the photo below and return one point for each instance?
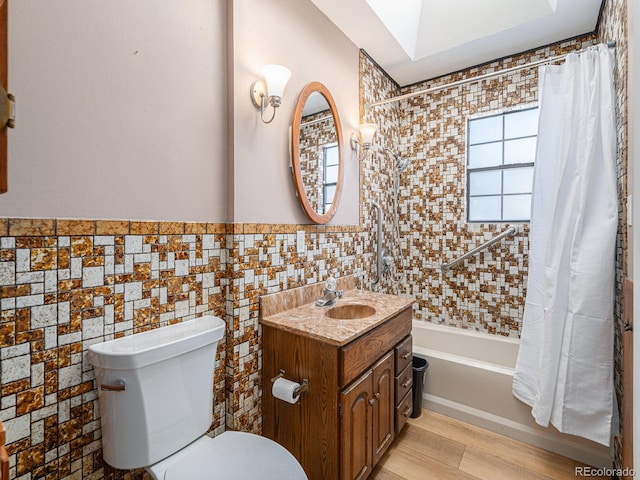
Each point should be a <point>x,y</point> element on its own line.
<point>65,285</point>
<point>263,259</point>
<point>487,292</point>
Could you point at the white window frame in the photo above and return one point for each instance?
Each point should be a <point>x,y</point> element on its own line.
<point>327,205</point>
<point>501,168</point>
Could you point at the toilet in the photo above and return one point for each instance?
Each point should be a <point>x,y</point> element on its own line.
<point>156,399</point>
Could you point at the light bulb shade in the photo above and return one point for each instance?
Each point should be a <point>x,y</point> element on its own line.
<point>276,77</point>
<point>366,132</point>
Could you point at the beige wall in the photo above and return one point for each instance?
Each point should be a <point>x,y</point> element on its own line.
<point>120,110</point>
<point>295,34</point>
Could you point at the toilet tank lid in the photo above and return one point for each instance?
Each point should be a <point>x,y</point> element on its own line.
<point>138,350</point>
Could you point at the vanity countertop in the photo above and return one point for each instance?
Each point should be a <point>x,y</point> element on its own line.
<point>311,321</point>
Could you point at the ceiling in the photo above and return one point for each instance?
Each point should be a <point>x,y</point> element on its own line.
<point>415,40</point>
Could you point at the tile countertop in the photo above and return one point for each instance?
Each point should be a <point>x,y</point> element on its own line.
<point>311,321</point>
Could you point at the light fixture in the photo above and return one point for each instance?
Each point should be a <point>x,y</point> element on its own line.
<point>271,90</point>
<point>362,141</point>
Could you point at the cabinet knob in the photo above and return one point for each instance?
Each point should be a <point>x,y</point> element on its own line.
<point>406,355</point>
<point>406,383</point>
<point>377,395</point>
<point>371,401</point>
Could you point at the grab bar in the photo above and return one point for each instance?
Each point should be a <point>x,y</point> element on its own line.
<point>509,232</point>
<point>378,244</point>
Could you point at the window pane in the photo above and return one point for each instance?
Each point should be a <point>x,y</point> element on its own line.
<point>486,155</point>
<point>516,207</point>
<point>329,192</point>
<point>484,208</point>
<point>520,151</point>
<point>518,180</point>
<point>331,174</point>
<point>331,155</point>
<point>485,183</point>
<point>521,124</point>
<point>485,129</point>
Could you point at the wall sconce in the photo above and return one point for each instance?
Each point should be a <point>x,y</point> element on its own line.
<point>271,90</point>
<point>362,141</point>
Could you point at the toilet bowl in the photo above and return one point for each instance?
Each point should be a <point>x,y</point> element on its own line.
<point>156,396</point>
<point>230,455</point>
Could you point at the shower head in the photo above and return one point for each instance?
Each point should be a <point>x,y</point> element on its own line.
<point>401,164</point>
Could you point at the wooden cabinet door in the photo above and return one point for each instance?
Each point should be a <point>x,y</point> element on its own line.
<point>356,442</point>
<point>383,407</point>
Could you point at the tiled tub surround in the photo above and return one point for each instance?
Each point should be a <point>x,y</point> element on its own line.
<point>486,292</point>
<point>65,285</point>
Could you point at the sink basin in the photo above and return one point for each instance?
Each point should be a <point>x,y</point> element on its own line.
<point>350,311</point>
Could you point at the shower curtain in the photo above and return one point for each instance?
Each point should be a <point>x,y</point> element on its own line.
<point>565,363</point>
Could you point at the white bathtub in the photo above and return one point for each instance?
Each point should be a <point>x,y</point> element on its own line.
<point>469,378</point>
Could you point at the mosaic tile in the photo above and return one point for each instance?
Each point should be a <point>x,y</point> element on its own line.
<point>75,227</point>
<point>31,227</point>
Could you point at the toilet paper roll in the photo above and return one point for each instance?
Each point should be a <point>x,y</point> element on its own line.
<point>283,389</point>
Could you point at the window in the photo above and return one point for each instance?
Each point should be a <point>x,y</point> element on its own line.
<point>501,150</point>
<point>330,174</point>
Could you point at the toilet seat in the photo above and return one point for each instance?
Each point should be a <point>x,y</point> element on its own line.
<point>230,455</point>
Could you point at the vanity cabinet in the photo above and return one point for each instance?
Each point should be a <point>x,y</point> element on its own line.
<point>367,419</point>
<point>348,418</point>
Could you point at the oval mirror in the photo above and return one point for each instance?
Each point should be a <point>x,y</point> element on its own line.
<point>316,149</point>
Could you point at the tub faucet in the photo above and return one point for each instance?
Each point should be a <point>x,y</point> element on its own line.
<point>329,298</point>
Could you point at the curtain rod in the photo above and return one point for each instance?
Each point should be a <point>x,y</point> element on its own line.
<point>611,44</point>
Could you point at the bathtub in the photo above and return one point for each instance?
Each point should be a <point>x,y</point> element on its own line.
<point>469,378</point>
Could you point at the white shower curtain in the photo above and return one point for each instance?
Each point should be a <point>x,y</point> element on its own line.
<point>565,364</point>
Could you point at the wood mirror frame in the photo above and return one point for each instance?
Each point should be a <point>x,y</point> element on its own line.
<point>317,217</point>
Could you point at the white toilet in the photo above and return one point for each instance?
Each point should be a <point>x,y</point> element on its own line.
<point>156,401</point>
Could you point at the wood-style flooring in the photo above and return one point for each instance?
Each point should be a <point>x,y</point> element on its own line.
<point>436,447</point>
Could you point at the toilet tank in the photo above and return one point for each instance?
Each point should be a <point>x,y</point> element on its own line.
<point>156,390</point>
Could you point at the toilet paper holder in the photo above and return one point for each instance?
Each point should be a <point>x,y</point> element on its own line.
<point>303,388</point>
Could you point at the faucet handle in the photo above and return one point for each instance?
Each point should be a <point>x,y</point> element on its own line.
<point>331,284</point>
<point>339,293</point>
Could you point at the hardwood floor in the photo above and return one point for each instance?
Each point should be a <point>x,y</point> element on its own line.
<point>436,447</point>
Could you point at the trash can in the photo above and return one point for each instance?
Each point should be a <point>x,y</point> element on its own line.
<point>419,377</point>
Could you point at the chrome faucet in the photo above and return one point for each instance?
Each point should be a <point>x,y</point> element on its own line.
<point>329,298</point>
<point>329,294</point>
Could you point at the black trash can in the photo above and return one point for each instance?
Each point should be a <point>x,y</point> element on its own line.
<point>419,377</point>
